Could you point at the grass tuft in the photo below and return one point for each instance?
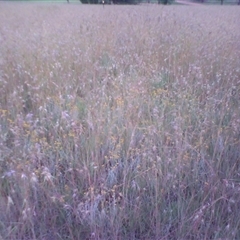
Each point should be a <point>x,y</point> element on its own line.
<point>119,123</point>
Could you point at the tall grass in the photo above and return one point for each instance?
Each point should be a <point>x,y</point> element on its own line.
<point>119,123</point>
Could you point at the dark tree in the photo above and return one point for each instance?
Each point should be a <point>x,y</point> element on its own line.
<point>89,1</point>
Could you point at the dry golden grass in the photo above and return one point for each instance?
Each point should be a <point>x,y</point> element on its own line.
<point>119,122</point>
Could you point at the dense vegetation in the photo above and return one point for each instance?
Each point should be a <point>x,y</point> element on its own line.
<point>119,123</point>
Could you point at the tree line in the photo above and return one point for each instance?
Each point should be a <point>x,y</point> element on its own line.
<point>140,1</point>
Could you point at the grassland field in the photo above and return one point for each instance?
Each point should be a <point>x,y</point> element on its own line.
<point>119,123</point>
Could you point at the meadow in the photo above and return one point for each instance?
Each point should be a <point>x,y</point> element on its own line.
<point>120,122</point>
